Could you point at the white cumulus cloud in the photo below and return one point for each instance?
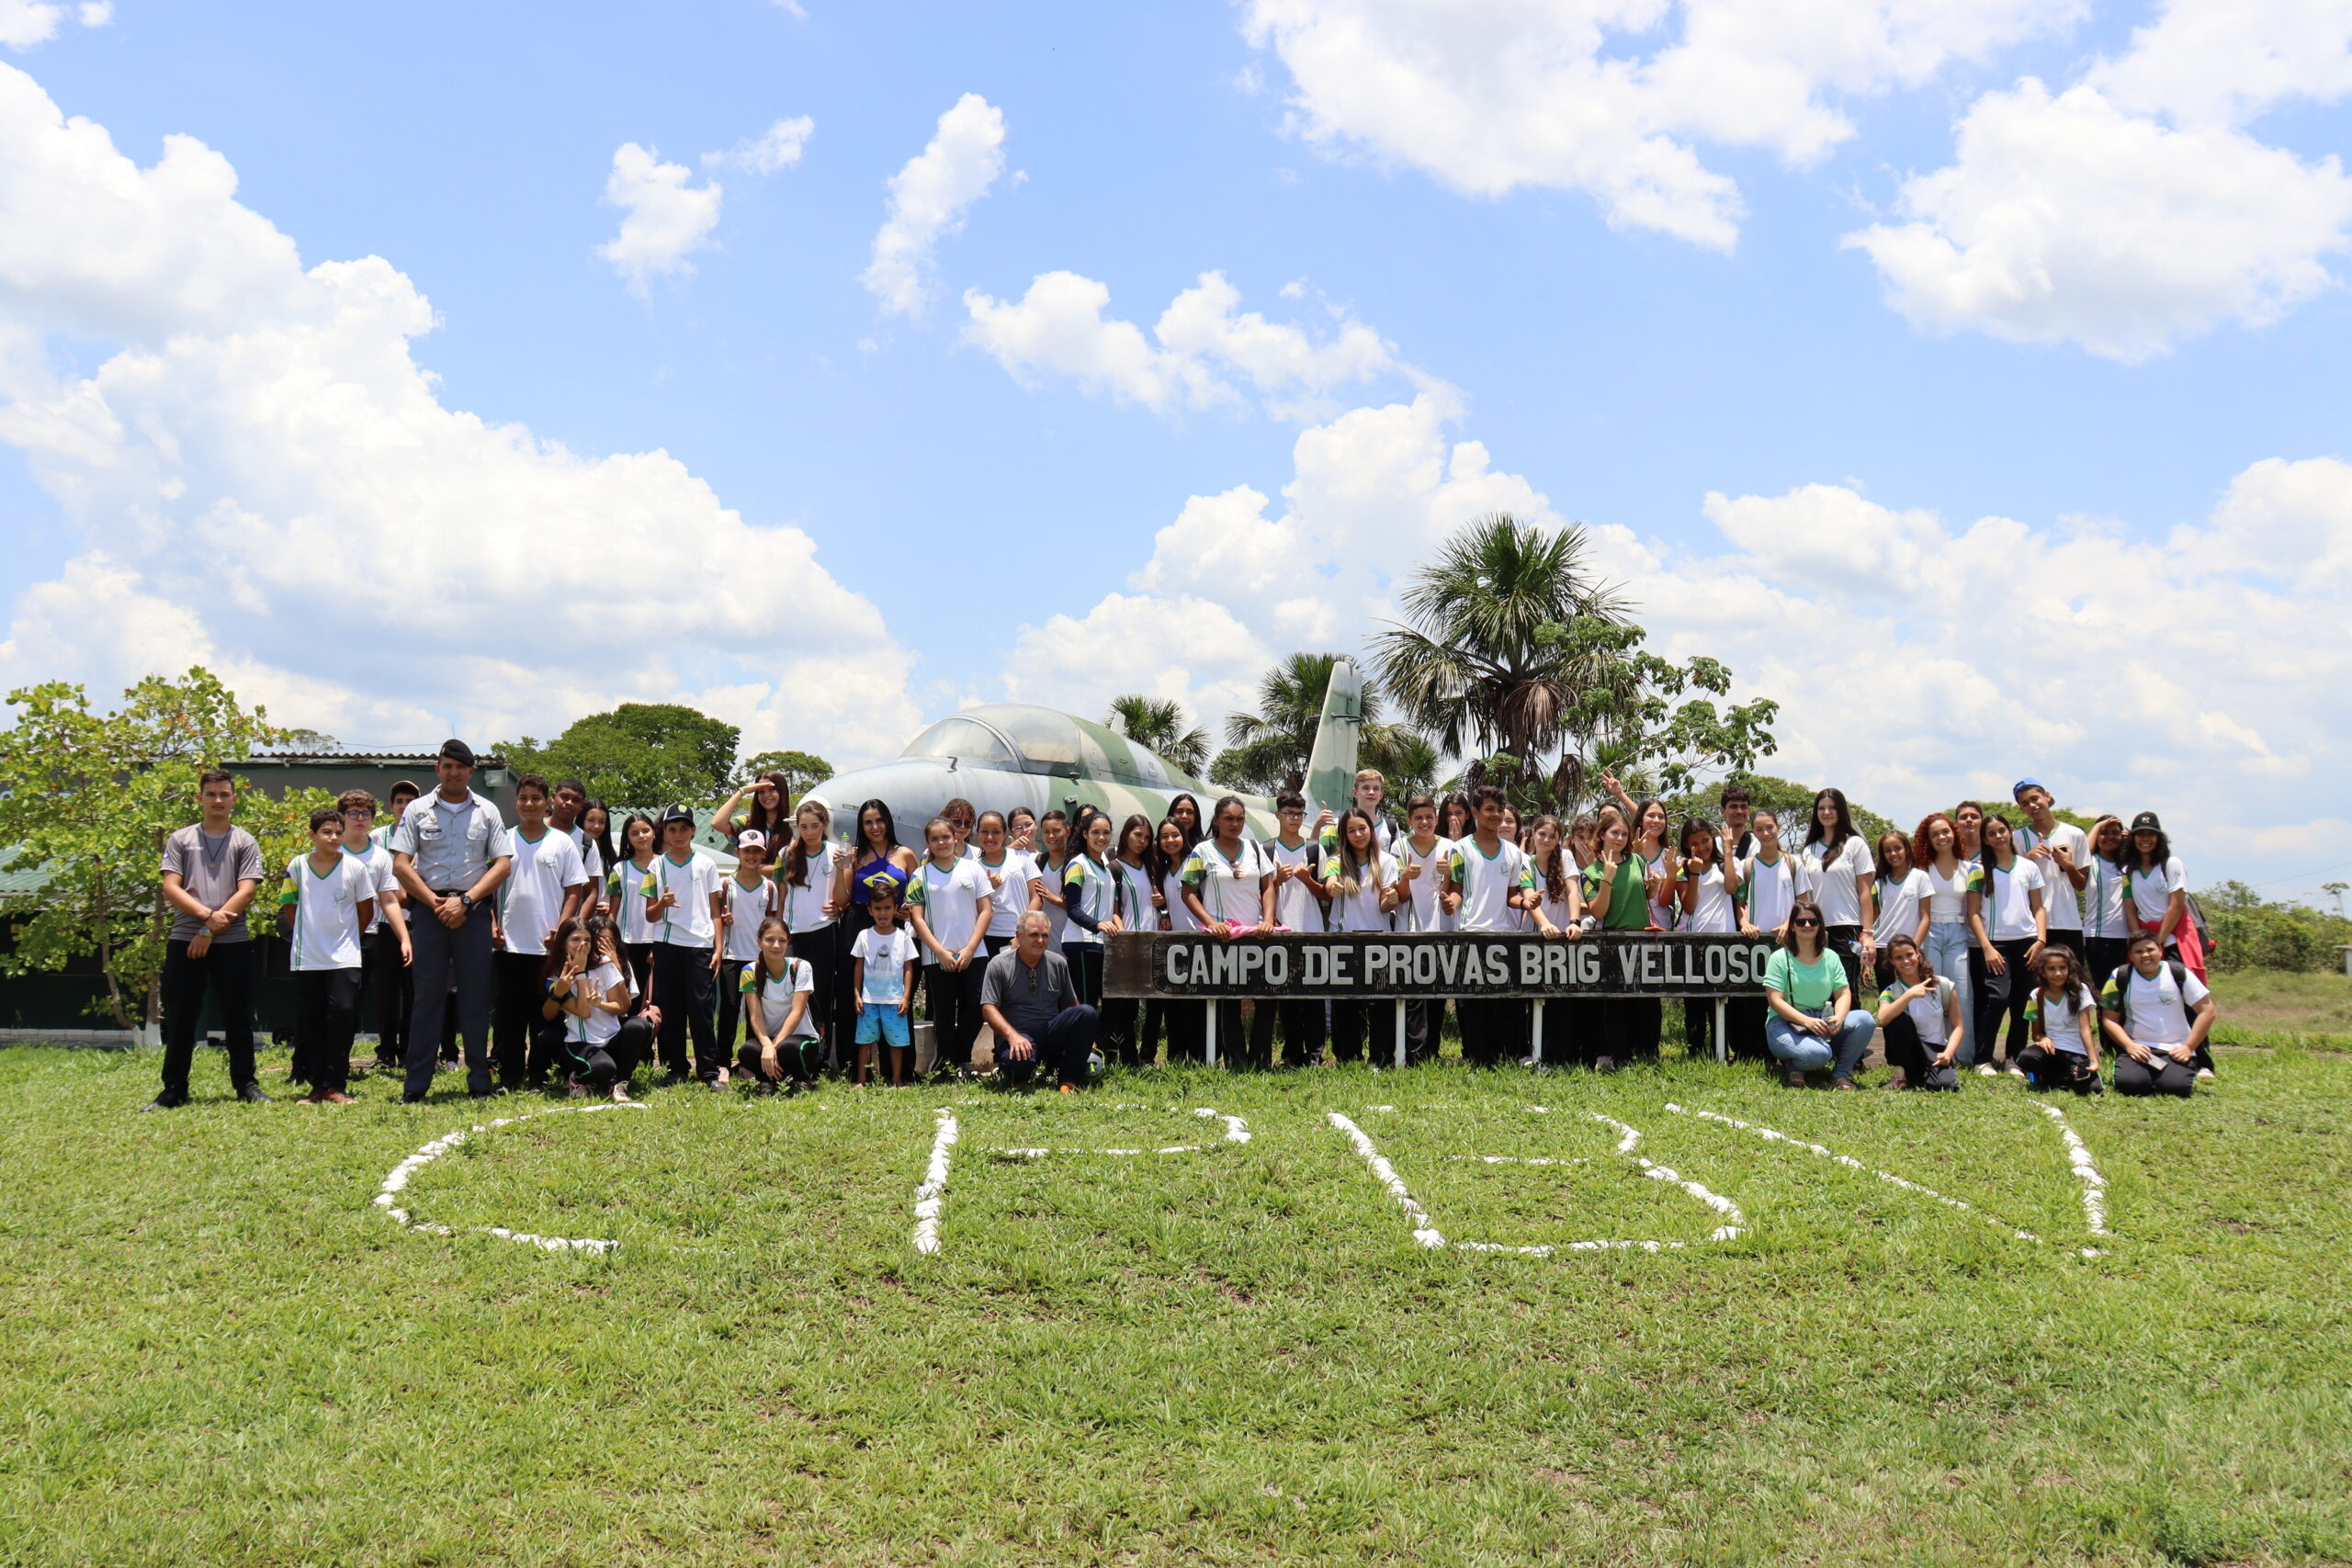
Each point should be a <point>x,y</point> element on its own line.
<point>24,23</point>
<point>1201,343</point>
<point>928,199</point>
<point>264,480</point>
<point>2134,209</point>
<point>1596,96</point>
<point>663,217</point>
<point>2202,672</point>
<point>778,147</point>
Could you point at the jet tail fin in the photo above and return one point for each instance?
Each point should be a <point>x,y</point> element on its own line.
<point>1332,764</point>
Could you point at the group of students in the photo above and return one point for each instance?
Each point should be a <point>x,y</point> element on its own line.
<point>608,945</point>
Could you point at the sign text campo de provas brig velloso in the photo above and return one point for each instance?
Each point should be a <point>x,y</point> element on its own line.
<point>1435,963</point>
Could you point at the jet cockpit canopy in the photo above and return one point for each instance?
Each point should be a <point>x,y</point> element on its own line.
<point>1021,738</point>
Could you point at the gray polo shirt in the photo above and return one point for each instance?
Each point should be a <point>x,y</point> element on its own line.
<point>1029,998</point>
<point>453,842</point>
<point>210,868</point>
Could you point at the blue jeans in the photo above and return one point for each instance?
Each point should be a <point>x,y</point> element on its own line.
<point>1948,952</point>
<point>1803,1052</point>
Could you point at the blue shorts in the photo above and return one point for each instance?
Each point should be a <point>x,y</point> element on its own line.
<point>883,1021</point>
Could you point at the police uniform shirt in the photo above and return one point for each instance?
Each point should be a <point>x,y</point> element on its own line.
<point>453,842</point>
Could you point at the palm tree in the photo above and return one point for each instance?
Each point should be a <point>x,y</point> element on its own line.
<point>1159,725</point>
<point>1268,748</point>
<point>1484,664</point>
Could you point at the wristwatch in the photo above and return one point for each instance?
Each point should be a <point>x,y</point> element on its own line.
<point>467,900</point>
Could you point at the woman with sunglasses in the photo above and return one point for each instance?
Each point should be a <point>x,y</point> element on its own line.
<point>1813,1023</point>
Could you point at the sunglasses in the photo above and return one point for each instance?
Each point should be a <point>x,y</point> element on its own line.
<point>1806,925</point>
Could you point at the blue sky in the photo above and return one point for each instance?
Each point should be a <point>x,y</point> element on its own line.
<point>923,513</point>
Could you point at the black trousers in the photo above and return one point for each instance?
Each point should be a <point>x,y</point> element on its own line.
<point>1424,1029</point>
<point>682,987</point>
<point>1122,1021</point>
<point>522,1036</point>
<point>226,969</point>
<point>2048,1068</point>
<point>601,1066</point>
<point>953,999</point>
<point>1187,1025</point>
<point>1575,1029</point>
<point>1744,1029</point>
<point>1302,1030</point>
<point>1493,1031</point>
<point>799,1060</point>
<point>1366,1031</point>
<point>2002,998</point>
<point>1630,1026</point>
<point>1698,1026</point>
<point>1085,960</point>
<point>2161,1075</point>
<point>638,956</point>
<point>819,949</point>
<point>386,981</point>
<point>442,955</point>
<point>1064,1047</point>
<point>730,1003</point>
<point>326,1011</point>
<point>1912,1056</point>
<point>2104,956</point>
<point>1846,941</point>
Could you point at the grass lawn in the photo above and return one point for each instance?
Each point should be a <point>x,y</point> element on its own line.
<point>2255,1004</point>
<point>221,1350</point>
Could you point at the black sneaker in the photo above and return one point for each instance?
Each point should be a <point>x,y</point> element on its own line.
<point>412,1100</point>
<point>166,1102</point>
<point>252,1095</point>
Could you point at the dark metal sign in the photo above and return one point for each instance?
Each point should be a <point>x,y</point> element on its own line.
<point>1435,963</point>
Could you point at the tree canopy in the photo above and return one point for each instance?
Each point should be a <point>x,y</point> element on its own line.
<point>644,755</point>
<point>1267,749</point>
<point>802,771</point>
<point>1160,724</point>
<point>1513,653</point>
<point>89,798</point>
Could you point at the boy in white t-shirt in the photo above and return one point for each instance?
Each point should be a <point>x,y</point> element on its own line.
<point>2062,853</point>
<point>683,903</point>
<point>329,902</point>
<point>1297,863</point>
<point>2157,1015</point>
<point>1491,877</point>
<point>547,886</point>
<point>1421,857</point>
<point>384,951</point>
<point>882,963</point>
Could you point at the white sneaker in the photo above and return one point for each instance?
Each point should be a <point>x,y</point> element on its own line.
<point>2204,1072</point>
<point>2015,1071</point>
<point>1987,1070</point>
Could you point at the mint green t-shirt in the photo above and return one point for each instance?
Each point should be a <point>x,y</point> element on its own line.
<point>1808,987</point>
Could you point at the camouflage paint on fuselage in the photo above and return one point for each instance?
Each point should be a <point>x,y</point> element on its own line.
<point>989,767</point>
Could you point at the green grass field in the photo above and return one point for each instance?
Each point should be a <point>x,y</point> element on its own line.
<point>221,1351</point>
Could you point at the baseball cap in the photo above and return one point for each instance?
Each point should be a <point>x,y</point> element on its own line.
<point>751,839</point>
<point>2024,784</point>
<point>2146,823</point>
<point>674,813</point>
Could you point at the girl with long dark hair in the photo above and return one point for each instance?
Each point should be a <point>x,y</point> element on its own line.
<point>1362,879</point>
<point>812,878</point>
<point>1920,1017</point>
<point>1131,1026</point>
<point>1837,870</point>
<point>2005,909</point>
<point>640,843</point>
<point>771,808</point>
<point>1185,1020</point>
<point>2107,909</point>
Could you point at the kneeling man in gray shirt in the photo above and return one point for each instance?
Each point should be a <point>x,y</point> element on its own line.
<point>1027,998</point>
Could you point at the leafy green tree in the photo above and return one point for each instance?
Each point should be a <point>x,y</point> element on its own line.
<point>1512,647</point>
<point>642,754</point>
<point>802,771</point>
<point>1266,749</point>
<point>89,799</point>
<point>1161,725</point>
